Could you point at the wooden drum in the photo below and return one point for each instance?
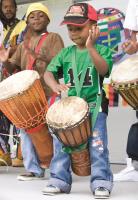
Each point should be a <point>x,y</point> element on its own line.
<point>23,101</point>
<point>125,80</point>
<point>70,122</point>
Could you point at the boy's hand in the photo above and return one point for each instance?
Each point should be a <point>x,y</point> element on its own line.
<point>130,47</point>
<point>4,53</point>
<point>93,36</point>
<point>58,88</point>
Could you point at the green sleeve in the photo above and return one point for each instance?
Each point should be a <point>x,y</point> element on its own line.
<point>56,64</point>
<point>105,52</point>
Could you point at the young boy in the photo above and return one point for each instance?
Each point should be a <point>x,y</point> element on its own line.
<point>37,18</point>
<point>81,24</point>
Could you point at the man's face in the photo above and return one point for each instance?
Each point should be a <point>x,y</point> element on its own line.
<point>8,9</point>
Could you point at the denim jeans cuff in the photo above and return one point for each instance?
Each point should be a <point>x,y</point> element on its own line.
<point>63,186</point>
<point>101,183</point>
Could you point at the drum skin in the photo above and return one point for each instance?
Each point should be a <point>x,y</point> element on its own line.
<point>124,79</point>
<point>27,109</point>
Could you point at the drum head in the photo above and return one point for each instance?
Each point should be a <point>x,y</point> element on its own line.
<point>126,71</point>
<point>66,112</point>
<point>17,83</point>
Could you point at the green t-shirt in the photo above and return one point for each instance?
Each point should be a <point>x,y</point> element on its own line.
<point>63,62</point>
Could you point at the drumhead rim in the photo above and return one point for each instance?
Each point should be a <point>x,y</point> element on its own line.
<point>126,85</point>
<point>18,94</point>
<point>72,126</point>
<point>71,123</point>
<point>135,81</point>
<point>6,84</point>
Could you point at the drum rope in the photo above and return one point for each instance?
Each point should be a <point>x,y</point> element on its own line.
<point>12,136</point>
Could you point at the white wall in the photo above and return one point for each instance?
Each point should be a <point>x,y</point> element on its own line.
<point>119,4</point>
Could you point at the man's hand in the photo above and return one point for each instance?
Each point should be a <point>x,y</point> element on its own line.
<point>130,47</point>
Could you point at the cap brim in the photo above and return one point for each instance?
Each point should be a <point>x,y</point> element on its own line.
<point>75,22</point>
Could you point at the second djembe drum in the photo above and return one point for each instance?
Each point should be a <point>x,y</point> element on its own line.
<point>69,120</point>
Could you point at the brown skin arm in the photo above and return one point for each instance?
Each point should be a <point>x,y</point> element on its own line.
<point>53,84</point>
<point>10,67</point>
<point>12,50</point>
<point>4,56</point>
<point>98,61</point>
<point>131,46</point>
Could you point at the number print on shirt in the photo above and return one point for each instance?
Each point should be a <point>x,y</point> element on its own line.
<point>88,81</point>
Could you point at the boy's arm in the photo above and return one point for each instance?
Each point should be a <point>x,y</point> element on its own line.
<point>99,62</point>
<point>51,74</point>
<point>53,84</point>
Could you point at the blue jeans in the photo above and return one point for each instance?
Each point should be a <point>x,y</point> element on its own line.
<point>30,159</point>
<point>101,175</point>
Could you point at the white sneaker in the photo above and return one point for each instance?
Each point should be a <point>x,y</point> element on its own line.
<point>127,174</point>
<point>101,193</point>
<point>29,177</point>
<point>51,190</point>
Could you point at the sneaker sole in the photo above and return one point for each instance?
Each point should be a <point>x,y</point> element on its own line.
<point>50,193</point>
<point>30,179</point>
<point>101,197</point>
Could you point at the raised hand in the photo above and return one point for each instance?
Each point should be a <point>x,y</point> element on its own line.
<point>93,36</point>
<point>4,54</point>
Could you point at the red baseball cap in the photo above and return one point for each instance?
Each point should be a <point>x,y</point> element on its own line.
<point>79,14</point>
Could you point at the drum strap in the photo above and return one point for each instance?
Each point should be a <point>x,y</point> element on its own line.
<point>35,129</point>
<point>96,109</point>
<point>6,39</point>
<point>37,49</point>
<point>79,84</point>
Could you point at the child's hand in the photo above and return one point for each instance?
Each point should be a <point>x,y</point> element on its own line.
<point>58,88</point>
<point>4,53</point>
<point>93,36</point>
<point>130,47</point>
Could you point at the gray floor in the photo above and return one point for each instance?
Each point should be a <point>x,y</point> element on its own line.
<point>11,189</point>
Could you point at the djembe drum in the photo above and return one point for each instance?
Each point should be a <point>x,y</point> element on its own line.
<point>125,80</point>
<point>23,101</point>
<point>69,120</point>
